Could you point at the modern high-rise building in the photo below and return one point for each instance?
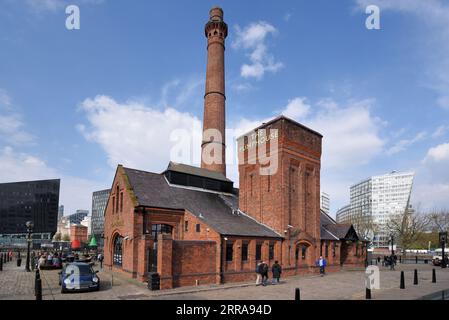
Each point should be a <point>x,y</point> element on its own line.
<point>78,216</point>
<point>99,201</point>
<point>343,214</point>
<point>325,202</point>
<point>60,212</point>
<point>35,201</point>
<point>378,199</point>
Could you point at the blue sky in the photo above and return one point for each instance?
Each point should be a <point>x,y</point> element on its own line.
<point>74,104</point>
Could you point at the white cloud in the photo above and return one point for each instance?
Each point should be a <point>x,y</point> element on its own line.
<point>12,128</point>
<point>75,193</point>
<point>403,144</point>
<point>440,131</point>
<point>433,41</point>
<point>438,154</point>
<point>431,187</point>
<point>134,134</point>
<point>297,109</point>
<point>253,38</point>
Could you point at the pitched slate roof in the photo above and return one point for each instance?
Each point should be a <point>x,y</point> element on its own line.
<point>217,210</point>
<point>183,168</point>
<point>331,230</point>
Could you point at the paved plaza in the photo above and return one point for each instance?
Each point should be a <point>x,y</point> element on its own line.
<point>16,284</point>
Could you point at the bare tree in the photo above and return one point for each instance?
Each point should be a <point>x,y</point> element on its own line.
<point>407,227</point>
<point>364,225</point>
<point>439,220</point>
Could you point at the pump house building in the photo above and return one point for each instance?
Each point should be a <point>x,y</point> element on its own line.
<point>192,226</point>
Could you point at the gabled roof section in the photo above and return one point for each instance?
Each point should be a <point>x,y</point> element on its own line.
<point>279,118</point>
<point>331,230</point>
<point>217,210</point>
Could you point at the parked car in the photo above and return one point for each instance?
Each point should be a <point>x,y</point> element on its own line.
<point>436,260</point>
<point>78,276</point>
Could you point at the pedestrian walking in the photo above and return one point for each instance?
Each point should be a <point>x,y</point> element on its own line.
<point>322,263</point>
<point>265,268</point>
<point>258,273</point>
<point>391,263</point>
<point>276,269</point>
<point>100,258</point>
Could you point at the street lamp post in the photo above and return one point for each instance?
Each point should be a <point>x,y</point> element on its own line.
<point>392,246</point>
<point>443,239</point>
<point>29,226</point>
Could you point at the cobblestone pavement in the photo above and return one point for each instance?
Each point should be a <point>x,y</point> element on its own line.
<point>17,284</point>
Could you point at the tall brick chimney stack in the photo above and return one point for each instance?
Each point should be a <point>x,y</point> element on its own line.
<point>216,31</point>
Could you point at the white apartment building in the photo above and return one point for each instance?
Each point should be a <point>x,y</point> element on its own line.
<point>325,202</point>
<point>379,198</point>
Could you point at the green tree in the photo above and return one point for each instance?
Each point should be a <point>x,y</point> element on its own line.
<point>66,237</point>
<point>57,237</point>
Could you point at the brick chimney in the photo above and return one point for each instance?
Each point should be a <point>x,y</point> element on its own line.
<point>216,31</point>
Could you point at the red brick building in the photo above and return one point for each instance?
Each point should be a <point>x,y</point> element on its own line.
<point>78,233</point>
<point>192,226</point>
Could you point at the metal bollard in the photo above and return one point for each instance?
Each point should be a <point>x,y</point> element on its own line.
<point>1,265</point>
<point>297,294</point>
<point>416,259</point>
<point>368,294</point>
<point>415,278</point>
<point>402,286</point>
<point>434,276</point>
<point>39,289</point>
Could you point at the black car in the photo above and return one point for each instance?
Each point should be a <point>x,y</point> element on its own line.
<point>78,276</point>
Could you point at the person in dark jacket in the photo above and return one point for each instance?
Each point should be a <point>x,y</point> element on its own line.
<point>264,269</point>
<point>276,269</point>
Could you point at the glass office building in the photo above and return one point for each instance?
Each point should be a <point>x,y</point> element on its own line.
<point>99,201</point>
<point>35,201</point>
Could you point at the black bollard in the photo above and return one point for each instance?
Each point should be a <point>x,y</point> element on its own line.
<point>297,295</point>
<point>416,259</point>
<point>1,265</point>
<point>402,286</point>
<point>39,289</point>
<point>415,278</point>
<point>434,276</point>
<point>368,294</point>
<point>400,259</point>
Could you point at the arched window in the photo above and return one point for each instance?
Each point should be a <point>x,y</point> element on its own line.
<point>118,251</point>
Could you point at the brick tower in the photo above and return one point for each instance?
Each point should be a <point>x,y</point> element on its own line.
<point>216,31</point>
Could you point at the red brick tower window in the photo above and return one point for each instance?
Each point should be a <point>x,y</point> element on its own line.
<point>121,201</point>
<point>117,195</point>
<point>186,226</point>
<point>113,204</point>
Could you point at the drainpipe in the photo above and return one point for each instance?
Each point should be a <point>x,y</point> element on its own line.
<point>221,261</point>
